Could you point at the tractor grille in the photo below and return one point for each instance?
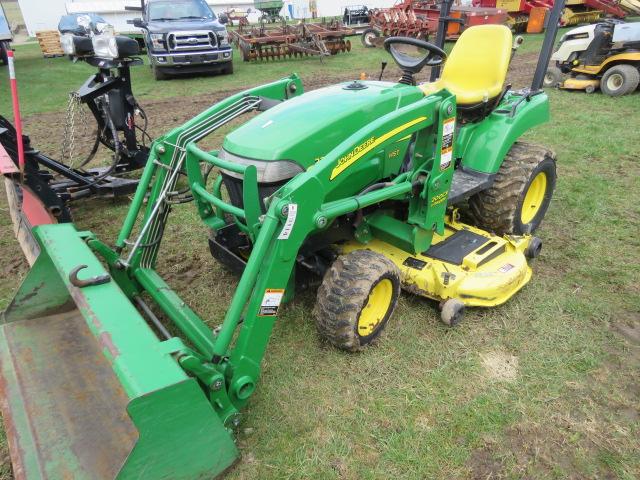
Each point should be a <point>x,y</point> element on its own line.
<point>197,40</point>
<point>234,189</point>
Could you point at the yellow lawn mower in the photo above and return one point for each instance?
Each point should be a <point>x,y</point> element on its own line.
<point>605,56</point>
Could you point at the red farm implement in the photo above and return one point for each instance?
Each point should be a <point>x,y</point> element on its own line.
<point>529,15</point>
<point>272,42</point>
<point>419,19</point>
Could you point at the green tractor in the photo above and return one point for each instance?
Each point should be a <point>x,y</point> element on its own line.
<point>106,373</point>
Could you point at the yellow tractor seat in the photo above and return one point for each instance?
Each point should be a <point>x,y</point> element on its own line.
<point>476,69</point>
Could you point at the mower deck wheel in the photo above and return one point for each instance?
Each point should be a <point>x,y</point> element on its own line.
<point>521,192</point>
<point>452,312</point>
<point>356,299</point>
<point>620,80</point>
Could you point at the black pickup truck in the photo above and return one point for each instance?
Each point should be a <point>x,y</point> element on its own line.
<point>185,36</point>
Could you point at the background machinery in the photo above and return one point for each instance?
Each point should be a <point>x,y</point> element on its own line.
<point>273,42</point>
<point>358,183</point>
<point>605,55</point>
<point>43,193</point>
<point>530,15</point>
<point>419,19</point>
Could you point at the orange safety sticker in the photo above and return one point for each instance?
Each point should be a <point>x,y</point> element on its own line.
<point>446,151</point>
<point>271,302</point>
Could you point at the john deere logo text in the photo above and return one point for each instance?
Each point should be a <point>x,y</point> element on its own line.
<point>354,155</point>
<point>351,157</point>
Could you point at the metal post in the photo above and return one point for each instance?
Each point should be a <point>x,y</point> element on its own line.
<point>547,45</point>
<point>443,25</point>
<point>17,121</point>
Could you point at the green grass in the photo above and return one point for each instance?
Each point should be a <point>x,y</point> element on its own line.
<point>420,404</point>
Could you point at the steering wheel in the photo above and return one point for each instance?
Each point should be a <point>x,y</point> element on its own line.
<point>412,54</point>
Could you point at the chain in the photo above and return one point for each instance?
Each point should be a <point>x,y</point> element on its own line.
<point>74,107</point>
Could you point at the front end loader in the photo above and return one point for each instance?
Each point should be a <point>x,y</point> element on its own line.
<point>107,373</point>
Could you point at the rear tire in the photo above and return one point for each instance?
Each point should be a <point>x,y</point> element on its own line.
<point>367,37</point>
<point>620,80</point>
<point>552,78</point>
<point>356,299</point>
<point>521,192</point>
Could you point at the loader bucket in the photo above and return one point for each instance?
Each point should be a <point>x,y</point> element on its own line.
<point>88,390</point>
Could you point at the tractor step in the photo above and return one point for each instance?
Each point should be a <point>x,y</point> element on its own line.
<point>466,183</point>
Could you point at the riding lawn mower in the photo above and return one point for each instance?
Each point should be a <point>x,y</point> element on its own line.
<point>107,373</point>
<point>605,56</point>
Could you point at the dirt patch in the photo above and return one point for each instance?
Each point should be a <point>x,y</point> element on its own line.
<point>629,329</point>
<point>500,366</point>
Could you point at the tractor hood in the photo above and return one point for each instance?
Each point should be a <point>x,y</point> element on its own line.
<point>304,129</point>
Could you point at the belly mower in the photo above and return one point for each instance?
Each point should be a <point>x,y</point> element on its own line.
<point>357,182</point>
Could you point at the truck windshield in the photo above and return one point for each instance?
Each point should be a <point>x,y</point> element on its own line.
<point>167,10</point>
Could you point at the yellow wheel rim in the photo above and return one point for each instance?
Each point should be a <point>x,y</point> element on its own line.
<point>534,198</point>
<point>376,308</point>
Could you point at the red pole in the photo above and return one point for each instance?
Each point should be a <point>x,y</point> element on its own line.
<point>16,110</point>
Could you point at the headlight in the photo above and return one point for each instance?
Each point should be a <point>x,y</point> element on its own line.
<point>67,44</point>
<point>157,41</point>
<point>224,37</point>
<point>105,46</point>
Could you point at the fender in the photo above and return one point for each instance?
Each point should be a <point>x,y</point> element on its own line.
<point>483,146</point>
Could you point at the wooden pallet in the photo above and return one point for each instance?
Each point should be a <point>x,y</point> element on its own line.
<point>49,41</point>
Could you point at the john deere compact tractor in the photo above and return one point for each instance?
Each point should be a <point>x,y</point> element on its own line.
<point>106,372</point>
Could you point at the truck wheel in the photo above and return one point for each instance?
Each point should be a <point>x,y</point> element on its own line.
<point>228,68</point>
<point>357,296</point>
<point>368,36</point>
<point>4,57</point>
<point>553,78</point>
<point>620,80</point>
<point>521,192</point>
<point>159,74</point>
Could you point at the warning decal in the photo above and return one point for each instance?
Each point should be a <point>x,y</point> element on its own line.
<point>446,152</point>
<point>292,211</point>
<point>271,302</point>
<point>505,268</point>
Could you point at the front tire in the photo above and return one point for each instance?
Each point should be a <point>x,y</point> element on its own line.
<point>520,195</point>
<point>227,69</point>
<point>620,80</point>
<point>4,55</point>
<point>158,74</point>
<point>552,78</point>
<point>356,299</point>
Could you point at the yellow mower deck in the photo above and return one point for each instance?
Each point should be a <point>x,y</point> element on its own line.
<point>466,263</point>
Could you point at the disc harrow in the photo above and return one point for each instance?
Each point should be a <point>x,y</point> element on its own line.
<point>291,41</point>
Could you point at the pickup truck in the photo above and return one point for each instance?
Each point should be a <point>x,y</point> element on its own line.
<point>185,36</point>
<point>5,36</point>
